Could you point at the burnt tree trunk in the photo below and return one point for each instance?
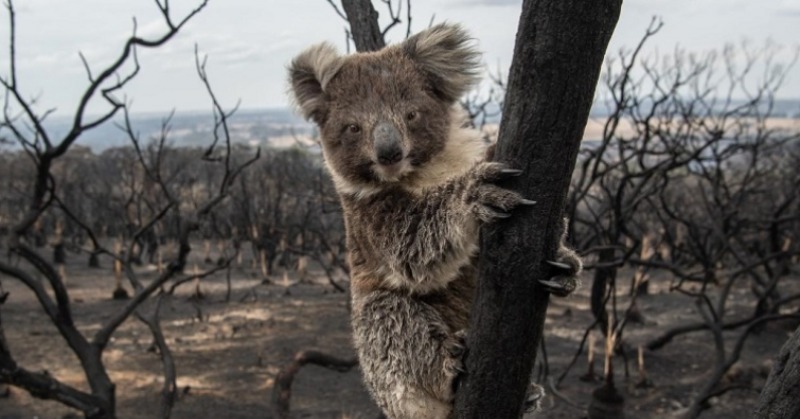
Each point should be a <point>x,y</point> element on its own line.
<point>59,253</point>
<point>604,275</point>
<point>94,259</point>
<point>557,59</point>
<point>364,28</point>
<point>779,399</point>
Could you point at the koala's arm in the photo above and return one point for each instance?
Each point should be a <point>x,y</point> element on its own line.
<point>436,231</point>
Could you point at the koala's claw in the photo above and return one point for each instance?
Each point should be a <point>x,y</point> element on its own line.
<point>534,397</point>
<point>489,201</point>
<point>511,172</point>
<point>494,171</point>
<point>456,349</point>
<point>559,265</point>
<point>459,368</point>
<point>564,270</point>
<point>560,286</point>
<point>563,280</point>
<point>549,283</point>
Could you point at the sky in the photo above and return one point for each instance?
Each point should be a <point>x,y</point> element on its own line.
<point>248,43</point>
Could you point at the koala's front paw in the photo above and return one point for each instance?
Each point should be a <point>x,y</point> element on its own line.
<point>487,200</point>
<point>564,272</point>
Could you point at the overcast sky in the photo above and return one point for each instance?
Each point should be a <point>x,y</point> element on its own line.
<point>249,42</point>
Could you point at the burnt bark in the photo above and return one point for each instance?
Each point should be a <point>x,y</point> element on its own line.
<point>557,59</point>
<point>59,253</point>
<point>94,260</point>
<point>364,27</point>
<point>603,276</point>
<point>779,397</point>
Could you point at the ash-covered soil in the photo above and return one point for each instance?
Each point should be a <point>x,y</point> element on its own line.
<point>229,351</point>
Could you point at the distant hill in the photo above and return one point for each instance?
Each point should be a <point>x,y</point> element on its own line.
<point>191,129</point>
<point>781,108</point>
<point>256,127</point>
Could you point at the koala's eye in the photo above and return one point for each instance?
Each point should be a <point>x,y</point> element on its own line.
<point>353,129</point>
<point>411,115</point>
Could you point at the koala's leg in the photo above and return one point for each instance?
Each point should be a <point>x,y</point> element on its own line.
<point>408,355</point>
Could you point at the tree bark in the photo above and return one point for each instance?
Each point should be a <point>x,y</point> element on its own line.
<point>364,28</point>
<point>779,399</point>
<point>559,51</point>
<point>603,277</point>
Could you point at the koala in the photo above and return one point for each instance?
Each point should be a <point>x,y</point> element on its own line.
<point>415,186</point>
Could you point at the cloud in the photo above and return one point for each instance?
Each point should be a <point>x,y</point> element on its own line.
<point>152,29</point>
<point>236,54</point>
<point>789,7</point>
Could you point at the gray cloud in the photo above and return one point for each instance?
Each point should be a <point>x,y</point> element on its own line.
<point>788,8</point>
<point>247,56</point>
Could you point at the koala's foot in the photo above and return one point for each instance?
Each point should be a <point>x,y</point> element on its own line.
<point>564,281</point>
<point>490,202</point>
<point>454,364</point>
<point>456,346</point>
<point>534,398</point>
<point>564,270</point>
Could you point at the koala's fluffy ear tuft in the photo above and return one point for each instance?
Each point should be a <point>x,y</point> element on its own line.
<point>309,74</point>
<point>447,55</point>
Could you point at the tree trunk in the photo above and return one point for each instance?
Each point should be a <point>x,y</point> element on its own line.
<point>364,28</point>
<point>779,399</point>
<point>59,253</point>
<point>557,59</point>
<point>603,277</point>
<point>94,259</point>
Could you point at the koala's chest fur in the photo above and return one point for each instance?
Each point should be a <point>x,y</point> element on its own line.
<point>399,241</point>
<point>386,254</point>
<point>413,280</point>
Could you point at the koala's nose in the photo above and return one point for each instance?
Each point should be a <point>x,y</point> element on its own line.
<point>388,144</point>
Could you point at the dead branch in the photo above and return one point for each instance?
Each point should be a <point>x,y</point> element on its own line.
<point>169,390</point>
<point>363,19</point>
<point>282,389</point>
<point>724,363</point>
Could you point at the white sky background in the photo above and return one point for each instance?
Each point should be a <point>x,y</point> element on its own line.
<point>250,42</point>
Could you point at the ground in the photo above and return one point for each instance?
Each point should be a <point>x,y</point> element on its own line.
<point>229,352</point>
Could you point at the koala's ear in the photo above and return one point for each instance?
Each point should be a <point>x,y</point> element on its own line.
<point>309,74</point>
<point>448,57</point>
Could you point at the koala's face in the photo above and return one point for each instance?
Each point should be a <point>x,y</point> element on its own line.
<point>383,120</point>
<point>384,115</point>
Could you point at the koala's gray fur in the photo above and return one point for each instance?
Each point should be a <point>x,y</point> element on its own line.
<point>415,190</point>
